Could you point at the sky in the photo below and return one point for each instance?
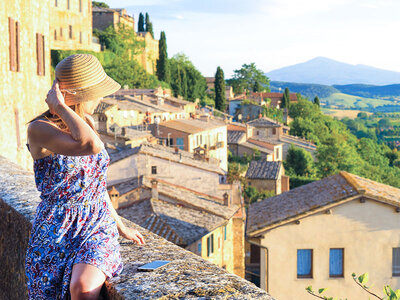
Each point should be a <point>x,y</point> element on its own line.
<point>274,33</point>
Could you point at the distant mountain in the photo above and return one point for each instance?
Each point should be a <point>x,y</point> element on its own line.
<point>321,70</point>
<point>308,90</point>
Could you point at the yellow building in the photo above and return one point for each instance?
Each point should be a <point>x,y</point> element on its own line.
<point>148,58</point>
<point>203,135</point>
<point>104,17</point>
<point>206,225</point>
<point>24,71</point>
<point>322,232</point>
<point>71,25</point>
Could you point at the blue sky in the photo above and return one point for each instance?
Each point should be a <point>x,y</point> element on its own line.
<point>275,33</point>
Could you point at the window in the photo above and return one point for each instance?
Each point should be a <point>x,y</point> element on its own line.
<point>180,143</point>
<point>277,153</point>
<point>17,127</point>
<point>153,169</point>
<point>336,262</point>
<point>55,34</point>
<point>13,31</point>
<point>68,4</point>
<point>258,133</point>
<point>80,37</point>
<point>396,262</point>
<point>40,54</point>
<point>56,3</point>
<point>225,233</point>
<point>61,33</point>
<point>304,263</point>
<point>199,248</point>
<point>210,245</point>
<point>273,131</point>
<point>80,5</point>
<point>70,31</point>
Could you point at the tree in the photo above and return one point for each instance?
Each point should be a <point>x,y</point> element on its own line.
<point>316,101</point>
<point>248,78</point>
<point>299,162</point>
<point>99,4</point>
<point>149,28</point>
<point>147,22</point>
<point>385,122</point>
<point>286,96</point>
<point>141,23</point>
<point>219,88</point>
<point>163,69</point>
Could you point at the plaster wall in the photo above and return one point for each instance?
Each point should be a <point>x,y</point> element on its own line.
<point>367,232</point>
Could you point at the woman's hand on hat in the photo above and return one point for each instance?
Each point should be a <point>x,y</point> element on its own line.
<point>131,234</point>
<point>54,97</point>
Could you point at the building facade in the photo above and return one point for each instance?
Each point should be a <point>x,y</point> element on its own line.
<point>322,232</point>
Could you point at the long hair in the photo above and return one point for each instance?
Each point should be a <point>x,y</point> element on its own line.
<point>77,108</point>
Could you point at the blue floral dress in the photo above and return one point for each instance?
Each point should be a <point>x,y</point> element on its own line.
<point>73,224</point>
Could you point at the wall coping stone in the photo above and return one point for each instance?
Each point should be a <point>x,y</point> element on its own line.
<point>188,276</point>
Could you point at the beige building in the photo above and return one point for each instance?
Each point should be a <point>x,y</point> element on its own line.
<point>105,17</point>
<point>148,58</point>
<point>205,136</point>
<point>211,227</point>
<point>267,176</point>
<point>24,71</point>
<point>165,163</point>
<point>71,25</point>
<point>320,233</point>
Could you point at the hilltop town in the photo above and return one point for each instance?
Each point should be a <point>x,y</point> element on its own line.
<point>261,184</point>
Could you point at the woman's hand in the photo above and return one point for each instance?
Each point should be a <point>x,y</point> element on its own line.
<point>131,234</point>
<point>54,97</point>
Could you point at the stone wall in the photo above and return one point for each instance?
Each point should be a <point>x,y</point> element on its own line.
<point>187,276</point>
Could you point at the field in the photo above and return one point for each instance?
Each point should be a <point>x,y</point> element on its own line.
<point>342,113</point>
<point>340,100</point>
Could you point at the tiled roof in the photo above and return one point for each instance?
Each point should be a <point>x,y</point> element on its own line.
<point>264,122</point>
<point>237,126</point>
<point>252,146</point>
<point>235,136</point>
<point>262,169</point>
<point>293,96</point>
<point>167,153</point>
<point>102,107</point>
<point>269,144</point>
<point>314,196</point>
<point>178,224</point>
<point>193,126</point>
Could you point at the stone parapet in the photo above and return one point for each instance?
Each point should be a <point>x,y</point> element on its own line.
<point>188,276</point>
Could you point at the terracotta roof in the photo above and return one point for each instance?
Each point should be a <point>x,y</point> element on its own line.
<point>235,136</point>
<point>262,169</point>
<point>264,122</point>
<point>316,196</point>
<point>293,96</point>
<point>270,144</point>
<point>237,126</point>
<point>167,153</point>
<point>193,126</point>
<point>210,79</point>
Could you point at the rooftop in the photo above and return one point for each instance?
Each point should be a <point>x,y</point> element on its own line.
<point>167,153</point>
<point>330,191</point>
<point>262,169</point>
<point>193,126</point>
<point>187,276</point>
<point>235,136</point>
<point>264,122</point>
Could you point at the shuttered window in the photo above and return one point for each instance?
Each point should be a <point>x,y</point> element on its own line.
<point>396,262</point>
<point>40,54</point>
<point>336,262</point>
<point>210,245</point>
<point>14,41</point>
<point>304,263</point>
<point>70,31</point>
<point>80,5</point>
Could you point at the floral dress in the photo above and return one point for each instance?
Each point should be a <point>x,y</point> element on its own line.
<point>73,224</point>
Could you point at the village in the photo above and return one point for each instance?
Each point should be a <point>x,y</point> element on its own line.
<point>169,165</point>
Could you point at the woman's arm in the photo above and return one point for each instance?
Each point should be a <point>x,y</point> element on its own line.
<point>128,233</point>
<point>81,140</point>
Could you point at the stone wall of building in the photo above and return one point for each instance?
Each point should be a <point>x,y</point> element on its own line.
<point>78,18</point>
<point>22,93</point>
<point>187,276</point>
<point>148,58</point>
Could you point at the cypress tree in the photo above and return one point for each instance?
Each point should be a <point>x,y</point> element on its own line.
<point>163,68</point>
<point>316,101</point>
<point>141,23</point>
<point>219,87</point>
<point>147,21</point>
<point>287,94</point>
<point>149,28</point>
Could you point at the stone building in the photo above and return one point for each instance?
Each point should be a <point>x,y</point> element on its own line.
<point>320,233</point>
<point>71,25</point>
<point>204,136</point>
<point>149,56</point>
<point>267,176</point>
<point>271,99</point>
<point>165,163</point>
<point>24,71</point>
<point>104,17</point>
<point>209,226</point>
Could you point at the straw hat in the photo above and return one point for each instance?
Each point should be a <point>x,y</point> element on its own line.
<point>82,78</point>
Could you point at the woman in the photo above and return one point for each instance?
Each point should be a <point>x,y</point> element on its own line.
<point>73,246</point>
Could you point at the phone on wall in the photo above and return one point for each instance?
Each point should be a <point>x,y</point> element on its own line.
<point>154,265</point>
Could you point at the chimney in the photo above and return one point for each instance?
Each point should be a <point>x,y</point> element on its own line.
<point>154,189</point>
<point>114,197</point>
<point>226,200</point>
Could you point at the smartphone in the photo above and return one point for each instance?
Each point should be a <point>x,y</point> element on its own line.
<point>154,265</point>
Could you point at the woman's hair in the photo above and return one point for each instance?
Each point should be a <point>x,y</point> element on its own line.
<point>77,108</point>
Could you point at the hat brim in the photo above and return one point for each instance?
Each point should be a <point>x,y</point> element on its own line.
<point>104,88</point>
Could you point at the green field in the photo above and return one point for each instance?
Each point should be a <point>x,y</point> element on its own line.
<point>340,100</point>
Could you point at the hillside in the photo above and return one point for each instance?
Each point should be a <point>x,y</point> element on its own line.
<point>371,91</point>
<point>308,90</point>
<point>321,70</point>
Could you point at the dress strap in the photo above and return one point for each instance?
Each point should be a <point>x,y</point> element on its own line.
<point>27,146</point>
